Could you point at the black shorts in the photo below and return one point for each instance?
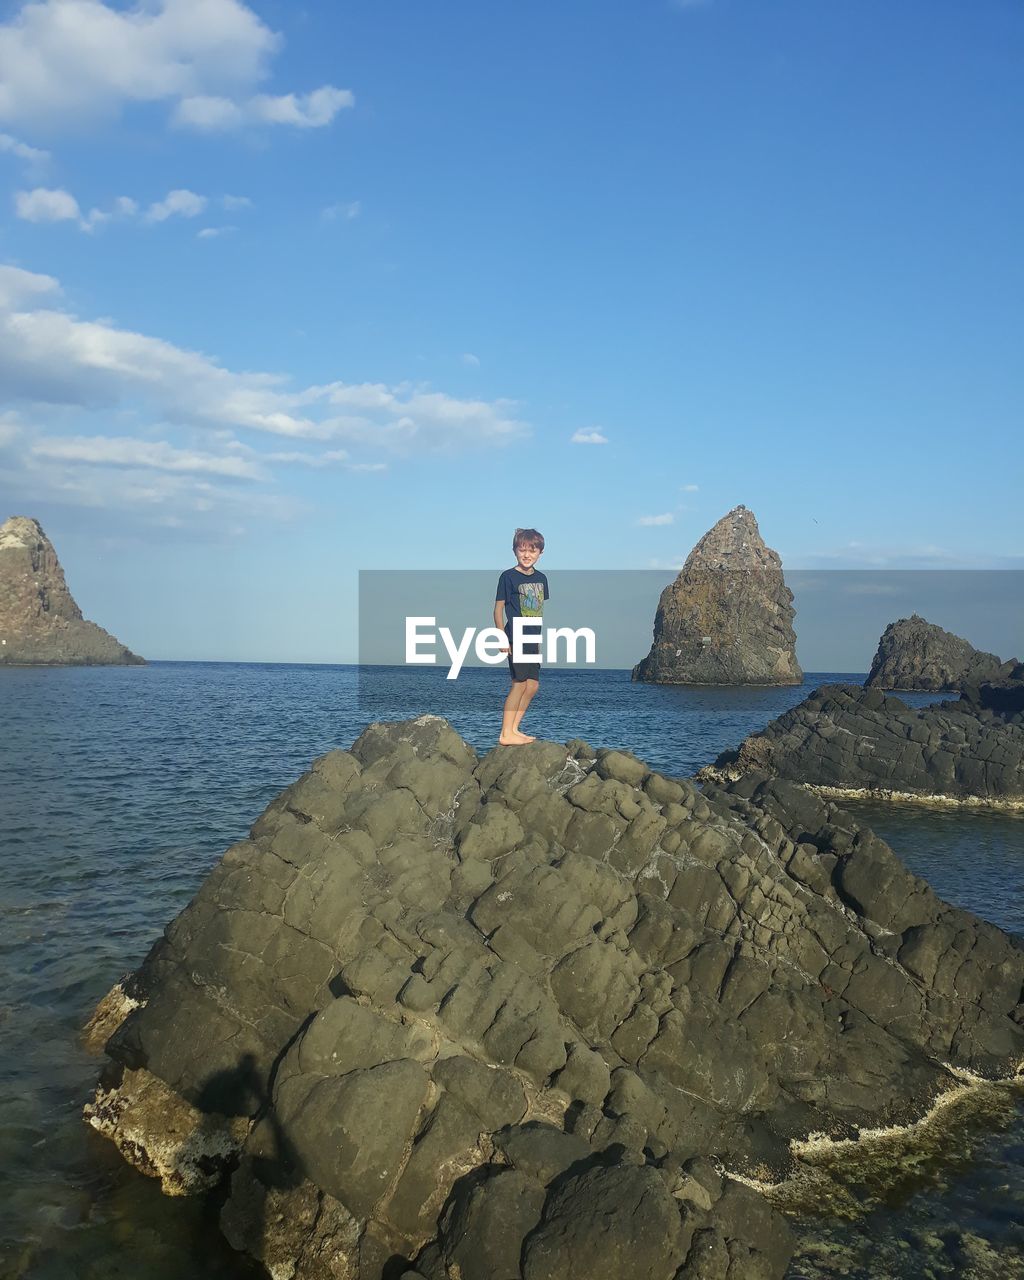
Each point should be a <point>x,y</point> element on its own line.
<point>523,670</point>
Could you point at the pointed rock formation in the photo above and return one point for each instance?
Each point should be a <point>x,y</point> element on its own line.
<point>728,617</point>
<point>40,624</point>
<point>915,654</point>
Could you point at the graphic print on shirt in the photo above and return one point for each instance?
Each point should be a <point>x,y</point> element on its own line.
<point>531,599</point>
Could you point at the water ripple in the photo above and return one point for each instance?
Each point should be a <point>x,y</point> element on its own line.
<point>121,787</point>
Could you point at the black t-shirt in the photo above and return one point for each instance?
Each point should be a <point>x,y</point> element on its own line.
<point>524,595</point>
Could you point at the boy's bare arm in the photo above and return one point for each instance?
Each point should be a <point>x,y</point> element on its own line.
<point>499,618</point>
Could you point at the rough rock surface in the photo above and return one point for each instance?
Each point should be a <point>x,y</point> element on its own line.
<point>516,1016</point>
<point>40,624</point>
<point>915,654</point>
<point>728,617</point>
<point>847,739</point>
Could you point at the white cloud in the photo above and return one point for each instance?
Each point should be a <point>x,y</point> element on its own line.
<point>55,205</point>
<point>689,488</point>
<point>18,286</point>
<point>588,435</point>
<point>47,205</point>
<point>232,203</point>
<point>862,556</point>
<point>179,203</point>
<point>69,62</point>
<point>305,110</point>
<point>666,518</point>
<point>10,429</point>
<point>124,451</point>
<point>210,113</point>
<point>347,209</point>
<point>469,358</point>
<point>211,233</point>
<point>14,147</point>
<point>332,456</point>
<point>214,114</point>
<point>51,357</point>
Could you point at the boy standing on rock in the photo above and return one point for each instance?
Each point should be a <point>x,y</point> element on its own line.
<point>521,593</point>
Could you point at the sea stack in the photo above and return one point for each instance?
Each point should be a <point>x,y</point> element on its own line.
<point>915,654</point>
<point>40,624</point>
<point>728,617</point>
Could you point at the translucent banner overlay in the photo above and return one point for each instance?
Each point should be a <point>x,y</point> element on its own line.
<point>839,615</point>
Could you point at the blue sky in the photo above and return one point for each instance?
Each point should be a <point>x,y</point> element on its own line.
<point>289,291</point>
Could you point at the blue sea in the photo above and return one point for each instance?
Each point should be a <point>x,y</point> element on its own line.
<point>121,787</point>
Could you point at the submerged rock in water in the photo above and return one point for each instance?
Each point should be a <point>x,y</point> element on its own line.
<point>515,1015</point>
<point>728,617</point>
<point>847,740</point>
<point>40,624</point>
<point>915,654</point>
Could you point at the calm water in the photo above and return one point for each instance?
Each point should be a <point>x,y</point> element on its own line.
<point>121,787</point>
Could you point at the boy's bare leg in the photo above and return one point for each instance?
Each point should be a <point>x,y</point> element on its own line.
<point>530,688</point>
<point>510,736</point>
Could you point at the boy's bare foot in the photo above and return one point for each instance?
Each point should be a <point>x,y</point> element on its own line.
<point>526,737</point>
<point>514,739</point>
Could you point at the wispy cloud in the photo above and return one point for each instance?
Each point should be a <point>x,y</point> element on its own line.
<point>689,488</point>
<point>180,203</point>
<point>858,555</point>
<point>50,357</point>
<point>45,204</point>
<point>124,451</point>
<point>69,62</point>
<point>588,435</point>
<point>53,204</point>
<point>15,147</point>
<point>344,210</point>
<point>469,358</point>
<point>303,111</point>
<point>665,518</point>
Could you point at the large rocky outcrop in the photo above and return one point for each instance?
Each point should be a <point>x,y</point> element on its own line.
<point>527,1015</point>
<point>40,624</point>
<point>845,739</point>
<point>915,654</point>
<point>728,617</point>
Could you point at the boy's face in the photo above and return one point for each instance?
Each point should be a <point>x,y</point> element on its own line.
<point>527,556</point>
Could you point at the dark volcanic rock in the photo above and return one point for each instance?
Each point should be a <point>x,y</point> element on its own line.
<point>728,617</point>
<point>849,739</point>
<point>510,1016</point>
<point>40,624</point>
<point>914,654</point>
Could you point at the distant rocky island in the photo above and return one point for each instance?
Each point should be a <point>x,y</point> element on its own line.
<point>843,740</point>
<point>541,1013</point>
<point>40,624</point>
<point>728,617</point>
<point>915,654</point>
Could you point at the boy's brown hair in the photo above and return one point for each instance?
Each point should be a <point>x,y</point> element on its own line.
<point>527,538</point>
